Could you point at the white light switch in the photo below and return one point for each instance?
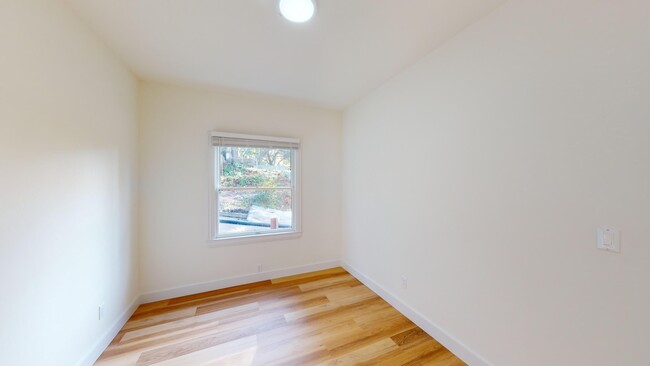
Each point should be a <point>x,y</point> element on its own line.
<point>608,239</point>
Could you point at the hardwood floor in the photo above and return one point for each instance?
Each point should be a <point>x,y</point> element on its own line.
<point>320,318</point>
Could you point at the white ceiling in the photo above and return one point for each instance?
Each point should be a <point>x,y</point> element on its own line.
<point>348,49</point>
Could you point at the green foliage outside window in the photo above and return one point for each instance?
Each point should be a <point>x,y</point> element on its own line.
<point>255,167</point>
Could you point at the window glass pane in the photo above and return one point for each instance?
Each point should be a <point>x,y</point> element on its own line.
<point>254,167</point>
<point>254,211</point>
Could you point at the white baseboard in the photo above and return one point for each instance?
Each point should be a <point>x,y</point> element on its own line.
<point>451,343</point>
<point>235,281</point>
<point>455,346</point>
<point>96,350</point>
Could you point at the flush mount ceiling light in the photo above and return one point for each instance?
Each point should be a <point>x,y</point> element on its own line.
<point>297,11</point>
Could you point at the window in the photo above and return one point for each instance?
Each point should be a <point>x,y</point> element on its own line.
<point>255,188</point>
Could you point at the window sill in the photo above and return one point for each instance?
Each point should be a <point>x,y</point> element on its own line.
<point>252,239</point>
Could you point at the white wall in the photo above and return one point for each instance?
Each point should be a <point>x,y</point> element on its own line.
<point>174,125</point>
<point>67,183</point>
<point>482,173</point>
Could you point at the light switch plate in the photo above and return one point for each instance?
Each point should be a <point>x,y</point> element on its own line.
<point>608,239</point>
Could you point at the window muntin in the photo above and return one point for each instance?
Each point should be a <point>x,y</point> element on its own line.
<point>255,186</point>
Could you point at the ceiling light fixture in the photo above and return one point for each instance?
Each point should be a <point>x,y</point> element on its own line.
<point>297,11</point>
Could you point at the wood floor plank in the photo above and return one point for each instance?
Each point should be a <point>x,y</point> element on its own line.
<point>382,330</point>
<point>147,312</point>
<point>221,353</point>
<point>242,300</point>
<point>409,336</point>
<point>184,348</point>
<point>230,290</point>
<point>405,355</point>
<point>321,318</point>
<point>188,322</point>
<point>351,295</point>
<point>309,275</point>
<point>291,351</point>
<point>160,318</point>
<point>144,308</point>
<point>325,282</point>
<point>362,354</point>
<point>180,336</point>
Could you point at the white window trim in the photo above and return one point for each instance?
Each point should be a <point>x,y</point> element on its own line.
<point>213,239</point>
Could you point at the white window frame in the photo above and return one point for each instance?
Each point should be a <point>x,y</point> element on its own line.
<point>222,240</point>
